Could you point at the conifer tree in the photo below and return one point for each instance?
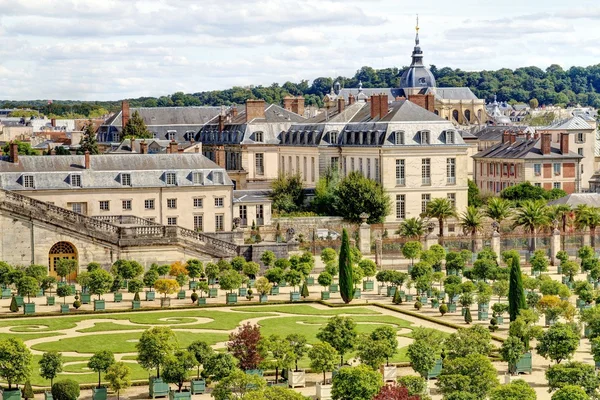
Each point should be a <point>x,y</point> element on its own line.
<point>345,266</point>
<point>516,295</point>
<point>13,304</point>
<point>304,291</point>
<point>468,318</point>
<point>136,128</point>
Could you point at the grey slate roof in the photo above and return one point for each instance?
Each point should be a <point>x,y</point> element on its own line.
<point>252,196</point>
<point>453,93</point>
<point>573,123</point>
<point>147,170</point>
<point>575,199</point>
<point>494,133</point>
<point>524,148</point>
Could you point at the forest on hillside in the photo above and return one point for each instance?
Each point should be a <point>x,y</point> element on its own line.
<point>554,85</point>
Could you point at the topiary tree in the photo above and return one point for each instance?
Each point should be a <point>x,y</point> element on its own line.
<point>277,354</point>
<point>293,278</point>
<point>118,376</point>
<point>346,273</point>
<point>65,267</point>
<point>201,352</point>
<point>516,295</point>
<point>267,258</point>
<point>340,333</point>
<point>15,361</point>
<point>356,383</point>
<point>212,272</point>
<point>135,286</point>
<point>195,268</point>
<point>100,282</point>
<point>274,275</point>
<point>468,317</point>
<point>570,392</point>
<point>473,374</point>
<point>412,250</point>
<point>177,366</point>
<point>166,286</point>
<point>511,351</point>
<point>219,366</point>
<point>154,346</point>
<point>100,362</point>
<point>28,391</point>
<point>328,255</point>
<point>230,280</point>
<point>27,286</point>
<point>61,291</point>
<point>263,286</point>
<point>388,337</point>
<point>324,279</point>
<point>251,269</point>
<point>181,280</point>
<point>516,390</point>
<point>323,358</point>
<point>559,342</point>
<point>66,389</point>
<point>150,278</point>
<point>51,364</point>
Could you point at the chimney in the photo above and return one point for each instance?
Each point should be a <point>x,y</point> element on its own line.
<point>53,122</point>
<point>375,109</point>
<point>221,123</point>
<point>197,149</point>
<point>143,147</point>
<point>341,104</point>
<point>351,99</point>
<point>124,113</point>
<point>173,147</point>
<point>298,105</point>
<point>14,153</point>
<point>254,109</point>
<point>87,160</point>
<point>383,105</point>
<point>506,137</point>
<point>513,138</point>
<point>564,142</point>
<point>287,103</point>
<point>546,143</point>
<point>234,111</point>
<point>132,144</point>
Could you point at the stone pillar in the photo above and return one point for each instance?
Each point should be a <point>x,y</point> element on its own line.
<point>555,246</point>
<point>364,238</point>
<point>238,236</point>
<point>496,244</point>
<point>477,245</point>
<point>430,240</point>
<point>587,238</point>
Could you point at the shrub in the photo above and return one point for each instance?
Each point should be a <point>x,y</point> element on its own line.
<point>418,305</point>
<point>443,309</point>
<point>65,390</point>
<point>77,304</point>
<point>194,297</point>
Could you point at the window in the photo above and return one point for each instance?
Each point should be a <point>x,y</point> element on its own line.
<point>259,162</point>
<point>537,184</point>
<point>126,179</point>
<point>126,205</point>
<point>580,151</point>
<point>283,165</point>
<point>198,202</point>
<point>28,181</point>
<point>258,136</point>
<point>171,135</point>
<point>580,137</point>
<point>451,170</point>
<point>334,137</point>
<point>360,165</point>
<point>297,164</point>
<point>217,177</point>
<point>424,137</point>
<point>425,199</point>
<point>305,168</point>
<point>170,178</point>
<point>351,164</point>
<point>149,204</point>
<point>452,198</point>
<point>369,168</point>
<point>312,169</point>
<point>400,206</point>
<point>197,178</point>
<point>198,222</point>
<point>335,162</point>
<point>556,167</point>
<point>377,169</point>
<point>78,207</point>
<point>75,180</point>
<point>400,173</point>
<point>426,171</point>
<point>290,164</point>
<point>244,215</point>
<point>537,169</point>
<point>219,222</point>
<point>260,215</point>
<point>218,202</point>
<point>172,203</point>
<point>556,185</point>
<point>399,137</point>
<point>450,137</point>
<point>344,165</point>
<point>172,221</point>
<point>512,169</point>
<point>104,205</point>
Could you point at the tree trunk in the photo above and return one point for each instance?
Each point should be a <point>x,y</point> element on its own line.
<point>441,227</point>
<point>158,371</point>
<point>276,375</point>
<point>99,378</point>
<point>324,379</point>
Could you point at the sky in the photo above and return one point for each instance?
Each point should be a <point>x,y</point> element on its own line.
<point>115,49</point>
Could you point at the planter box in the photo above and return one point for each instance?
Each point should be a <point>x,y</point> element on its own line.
<point>334,288</point>
<point>118,297</point>
<point>124,284</point>
<point>523,365</point>
<point>158,388</point>
<point>296,379</point>
<point>391,291</point>
<point>212,281</point>
<point>500,319</point>
<point>181,295</point>
<point>357,293</point>
<point>325,296</point>
<point>213,293</point>
<point>136,305</point>
<point>99,393</point>
<point>423,300</point>
<point>435,303</point>
<point>180,395</point>
<point>580,303</point>
<point>323,391</point>
<point>587,331</point>
<point>483,307</point>
<point>50,300</point>
<point>6,293</point>
<point>310,281</point>
<point>482,315</point>
<point>19,301</point>
<point>198,386</point>
<point>231,298</point>
<point>40,293</point>
<point>242,292</point>
<point>409,297</point>
<point>201,301</point>
<point>150,296</point>
<point>559,270</point>
<point>283,284</point>
<point>48,396</point>
<point>251,282</point>
<point>85,298</point>
<point>451,307</point>
<point>549,322</point>
<point>274,290</point>
<point>263,298</point>
<point>441,295</point>
<point>436,370</point>
<point>99,305</point>
<point>13,394</point>
<point>165,302</point>
<point>192,285</point>
<point>389,373</point>
<point>64,308</point>
<point>29,308</point>
<point>294,296</point>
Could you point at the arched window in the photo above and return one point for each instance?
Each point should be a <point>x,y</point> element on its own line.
<point>455,115</point>
<point>468,115</point>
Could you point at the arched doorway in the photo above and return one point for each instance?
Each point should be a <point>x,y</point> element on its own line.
<point>59,251</point>
<point>468,115</point>
<point>455,116</point>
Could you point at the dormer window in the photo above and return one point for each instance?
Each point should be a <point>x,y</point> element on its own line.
<point>28,181</point>
<point>450,139</point>
<point>75,180</point>
<point>399,138</point>
<point>217,177</point>
<point>425,137</point>
<point>171,135</point>
<point>197,178</point>
<point>126,179</point>
<point>258,137</point>
<point>170,178</point>
<point>334,137</point>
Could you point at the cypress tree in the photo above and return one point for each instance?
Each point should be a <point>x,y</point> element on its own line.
<point>304,291</point>
<point>397,297</point>
<point>345,266</point>
<point>468,318</point>
<point>28,391</point>
<point>516,295</point>
<point>13,304</point>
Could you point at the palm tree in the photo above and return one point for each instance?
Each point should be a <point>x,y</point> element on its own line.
<point>441,209</point>
<point>560,213</point>
<point>498,209</point>
<point>472,222</point>
<point>587,217</point>
<point>531,216</point>
<point>412,228</point>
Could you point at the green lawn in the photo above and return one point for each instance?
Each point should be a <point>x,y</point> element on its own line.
<point>308,310</point>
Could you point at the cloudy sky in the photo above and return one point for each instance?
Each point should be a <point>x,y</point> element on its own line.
<point>112,49</point>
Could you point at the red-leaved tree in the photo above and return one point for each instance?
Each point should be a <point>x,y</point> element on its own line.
<point>243,345</point>
<point>394,392</point>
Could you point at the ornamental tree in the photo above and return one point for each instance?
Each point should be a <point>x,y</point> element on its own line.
<point>166,286</point>
<point>267,258</point>
<point>477,376</point>
<point>201,352</point>
<point>387,335</point>
<point>298,345</point>
<point>293,277</point>
<point>324,279</point>
<point>100,362</point>
<point>559,342</point>
<point>263,286</point>
<point>394,392</point>
<point>15,361</point>
<point>463,342</point>
<point>243,345</point>
<point>570,392</point>
<point>328,255</point>
<point>177,366</point>
<point>412,250</point>
<point>127,269</point>
<point>251,269</point>
<point>573,373</point>
<point>118,376</point>
<point>238,385</point>
<point>323,358</point>
<point>539,262</point>
<point>511,351</point>
<point>516,295</point>
<point>277,354</point>
<point>27,286</point>
<point>219,366</point>
<point>372,352</point>
<point>369,268</point>
<point>212,272</point>
<point>195,268</point>
<point>230,280</point>
<point>154,346</point>
<point>65,267</point>
<point>340,333</point>
<point>64,291</point>
<point>516,390</point>
<point>150,278</point>
<point>100,282</point>
<point>346,273</point>
<point>51,364</point>
<point>274,275</point>
<point>66,389</point>
<point>356,383</point>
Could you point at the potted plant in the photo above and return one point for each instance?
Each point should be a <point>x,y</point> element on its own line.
<point>263,287</point>
<point>325,280</point>
<point>250,269</point>
<point>201,352</point>
<point>332,269</point>
<point>155,346</point>
<point>181,280</point>
<point>64,268</point>
<point>397,279</point>
<point>100,362</point>
<point>47,285</point>
<point>357,277</point>
<point>118,376</point>
<point>249,295</point>
<point>51,364</point>
<point>277,354</point>
<point>37,272</point>
<point>150,278</point>
<point>135,286</point>
<point>383,278</point>
<point>15,366</point>
<point>466,299</point>
<point>274,275</point>
<point>294,278</point>
<point>323,358</point>
<point>175,370</point>
<point>195,269</point>
<point>212,272</point>
<point>100,283</point>
<point>483,300</point>
<point>202,288</point>
<point>497,310</point>
<point>369,269</point>
<point>230,280</point>
<point>298,345</point>
<point>64,291</point>
<point>28,286</point>
<point>83,279</point>
<point>166,287</point>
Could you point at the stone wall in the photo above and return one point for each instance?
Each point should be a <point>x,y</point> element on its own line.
<point>306,225</point>
<point>253,252</point>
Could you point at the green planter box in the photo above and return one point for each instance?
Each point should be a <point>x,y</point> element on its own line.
<point>334,288</point>
<point>251,282</point>
<point>48,396</point>
<point>198,386</point>
<point>136,305</point>
<point>212,281</point>
<point>192,285</point>
<point>242,292</point>
<point>451,307</point>
<point>19,301</point>
<point>180,395</point>
<point>424,300</point>
<point>500,319</point>
<point>29,308</point>
<point>559,270</point>
<point>124,284</point>
<point>50,300</point>
<point>181,295</point>
<point>6,293</point>
<point>99,393</point>
<point>435,303</point>
<point>118,297</point>
<point>232,298</point>
<point>294,296</point>
<point>73,289</point>
<point>325,295</point>
<point>213,293</point>
<point>391,291</point>
<point>523,365</point>
<point>86,298</point>
<point>436,370</point>
<point>283,284</point>
<point>357,293</point>
<point>442,295</point>
<point>409,297</point>
<point>201,301</point>
<point>40,293</point>
<point>263,298</point>
<point>13,394</point>
<point>482,315</point>
<point>150,296</point>
<point>274,290</point>
<point>310,281</point>
<point>368,285</point>
<point>483,307</point>
<point>158,388</point>
<point>99,305</point>
<point>64,308</point>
